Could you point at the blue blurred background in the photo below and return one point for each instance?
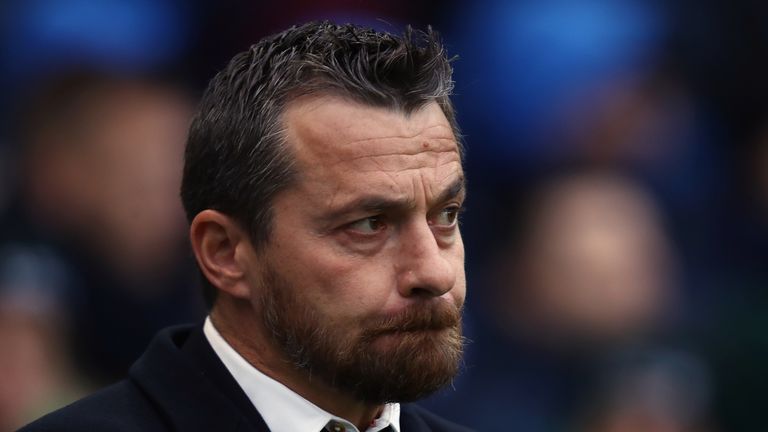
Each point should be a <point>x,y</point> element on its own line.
<point>616,232</point>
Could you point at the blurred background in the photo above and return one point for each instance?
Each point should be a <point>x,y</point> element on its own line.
<point>617,223</point>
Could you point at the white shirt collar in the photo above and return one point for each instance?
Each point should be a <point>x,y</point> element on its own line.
<point>282,409</point>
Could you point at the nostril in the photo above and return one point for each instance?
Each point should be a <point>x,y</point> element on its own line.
<point>420,292</point>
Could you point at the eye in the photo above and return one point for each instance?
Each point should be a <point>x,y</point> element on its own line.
<point>447,218</point>
<point>368,226</point>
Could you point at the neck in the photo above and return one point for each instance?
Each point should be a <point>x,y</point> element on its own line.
<point>236,321</point>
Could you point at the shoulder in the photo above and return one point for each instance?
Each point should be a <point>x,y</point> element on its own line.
<point>414,417</point>
<point>121,408</point>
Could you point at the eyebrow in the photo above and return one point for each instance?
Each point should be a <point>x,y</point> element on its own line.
<point>379,203</point>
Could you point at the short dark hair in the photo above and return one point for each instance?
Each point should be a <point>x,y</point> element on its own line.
<point>236,159</point>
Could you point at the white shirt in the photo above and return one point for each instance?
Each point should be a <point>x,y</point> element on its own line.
<point>284,410</point>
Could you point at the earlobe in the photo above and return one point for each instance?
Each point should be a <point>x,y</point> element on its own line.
<point>216,240</point>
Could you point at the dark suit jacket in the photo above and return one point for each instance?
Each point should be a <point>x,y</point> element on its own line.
<point>179,384</point>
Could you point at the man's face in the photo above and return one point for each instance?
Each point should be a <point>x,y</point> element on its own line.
<point>362,281</point>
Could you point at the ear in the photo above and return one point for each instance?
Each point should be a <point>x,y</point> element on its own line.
<point>221,247</point>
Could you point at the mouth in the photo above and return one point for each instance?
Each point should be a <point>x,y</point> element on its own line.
<point>422,324</point>
<point>417,336</point>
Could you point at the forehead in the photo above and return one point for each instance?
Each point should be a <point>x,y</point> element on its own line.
<point>330,130</point>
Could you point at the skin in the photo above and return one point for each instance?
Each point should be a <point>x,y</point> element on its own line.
<point>369,230</point>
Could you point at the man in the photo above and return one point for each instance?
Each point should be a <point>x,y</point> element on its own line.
<point>323,183</point>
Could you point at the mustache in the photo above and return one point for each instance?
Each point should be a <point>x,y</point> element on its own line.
<point>431,315</point>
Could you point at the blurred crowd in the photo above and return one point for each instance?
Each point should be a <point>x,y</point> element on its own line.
<point>617,222</point>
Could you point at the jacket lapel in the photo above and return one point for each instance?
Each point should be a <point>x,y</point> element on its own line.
<point>188,383</point>
<point>410,422</point>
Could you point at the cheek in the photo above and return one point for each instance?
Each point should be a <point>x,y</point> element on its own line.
<point>337,282</point>
<point>459,291</point>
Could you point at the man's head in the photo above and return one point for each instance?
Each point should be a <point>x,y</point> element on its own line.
<point>323,181</point>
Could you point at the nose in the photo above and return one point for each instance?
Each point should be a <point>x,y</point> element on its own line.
<point>424,267</point>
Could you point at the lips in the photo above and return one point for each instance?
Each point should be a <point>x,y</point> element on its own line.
<point>432,317</point>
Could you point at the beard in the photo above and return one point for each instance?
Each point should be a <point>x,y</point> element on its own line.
<point>420,352</point>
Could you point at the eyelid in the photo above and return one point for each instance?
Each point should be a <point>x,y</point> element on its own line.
<point>457,207</point>
<point>350,226</point>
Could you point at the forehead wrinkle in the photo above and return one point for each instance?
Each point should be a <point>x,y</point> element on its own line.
<point>391,165</point>
<point>374,147</point>
<point>448,188</point>
<point>448,173</point>
<point>440,190</point>
<point>423,132</point>
<point>412,159</point>
<point>411,139</point>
